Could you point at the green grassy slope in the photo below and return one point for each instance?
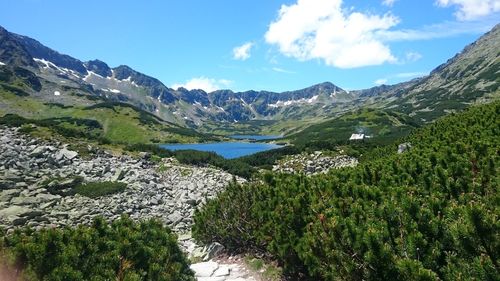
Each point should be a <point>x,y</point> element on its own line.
<point>383,125</point>
<point>119,123</point>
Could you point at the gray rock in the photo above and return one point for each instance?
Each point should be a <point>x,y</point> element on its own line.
<point>204,269</point>
<point>8,194</point>
<point>119,174</point>
<point>38,151</point>
<point>64,153</point>
<point>175,217</point>
<point>24,200</point>
<point>19,211</point>
<point>213,250</point>
<point>404,147</point>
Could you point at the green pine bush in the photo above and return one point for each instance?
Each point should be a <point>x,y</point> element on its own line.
<point>431,213</point>
<point>122,250</point>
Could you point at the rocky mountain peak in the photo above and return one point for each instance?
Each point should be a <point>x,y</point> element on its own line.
<point>99,67</point>
<point>39,51</point>
<point>12,52</point>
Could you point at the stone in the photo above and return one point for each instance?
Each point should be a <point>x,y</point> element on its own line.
<point>119,174</point>
<point>198,253</point>
<point>44,197</point>
<point>24,200</point>
<point>38,151</point>
<point>219,278</point>
<point>213,250</point>
<point>204,269</point>
<point>222,271</point>
<point>404,147</point>
<point>15,220</point>
<point>19,211</point>
<point>8,194</point>
<point>175,217</point>
<point>64,153</point>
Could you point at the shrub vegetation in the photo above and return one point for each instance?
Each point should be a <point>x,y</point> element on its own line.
<point>97,189</point>
<point>431,213</point>
<point>123,250</point>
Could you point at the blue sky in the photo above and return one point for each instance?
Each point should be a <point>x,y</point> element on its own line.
<point>274,45</point>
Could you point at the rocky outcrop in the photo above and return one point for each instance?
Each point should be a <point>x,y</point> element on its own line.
<point>167,191</point>
<point>314,163</point>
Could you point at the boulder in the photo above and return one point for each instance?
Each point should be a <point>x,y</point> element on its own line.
<point>19,211</point>
<point>38,151</point>
<point>8,194</point>
<point>404,147</point>
<point>204,269</point>
<point>67,154</point>
<point>213,250</point>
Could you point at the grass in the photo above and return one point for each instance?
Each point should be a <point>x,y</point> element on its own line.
<point>268,271</point>
<point>98,189</point>
<point>74,185</point>
<point>121,124</point>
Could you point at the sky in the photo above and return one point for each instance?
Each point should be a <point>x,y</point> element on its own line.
<point>274,45</point>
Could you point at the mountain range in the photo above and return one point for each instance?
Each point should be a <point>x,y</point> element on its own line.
<point>52,77</point>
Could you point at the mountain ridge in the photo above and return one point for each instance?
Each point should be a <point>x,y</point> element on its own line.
<point>228,109</point>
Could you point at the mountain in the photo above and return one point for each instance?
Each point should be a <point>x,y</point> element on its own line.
<point>468,77</point>
<point>388,112</point>
<point>182,106</point>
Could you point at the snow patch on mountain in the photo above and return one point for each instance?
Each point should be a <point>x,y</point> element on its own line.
<point>115,91</point>
<point>292,102</point>
<point>50,65</point>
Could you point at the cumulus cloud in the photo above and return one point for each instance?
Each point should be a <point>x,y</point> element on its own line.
<point>388,3</point>
<point>322,29</point>
<point>242,52</point>
<point>206,84</point>
<point>471,9</point>
<point>381,81</point>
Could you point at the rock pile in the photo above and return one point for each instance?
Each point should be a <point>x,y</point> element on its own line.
<point>167,191</point>
<point>314,163</point>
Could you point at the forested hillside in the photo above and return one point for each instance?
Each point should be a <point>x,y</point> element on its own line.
<point>430,213</point>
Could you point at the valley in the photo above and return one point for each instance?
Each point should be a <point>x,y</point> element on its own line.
<point>106,173</point>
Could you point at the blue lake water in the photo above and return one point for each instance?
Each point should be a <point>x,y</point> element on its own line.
<point>254,137</point>
<point>228,150</point>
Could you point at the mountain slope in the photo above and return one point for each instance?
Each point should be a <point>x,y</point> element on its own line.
<point>181,106</point>
<point>471,76</point>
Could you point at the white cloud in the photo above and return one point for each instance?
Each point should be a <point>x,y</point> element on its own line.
<point>388,3</point>
<point>242,52</point>
<point>321,29</point>
<point>278,69</point>
<point>206,84</point>
<point>410,74</point>
<point>440,30</point>
<point>413,56</point>
<point>381,81</point>
<point>471,9</point>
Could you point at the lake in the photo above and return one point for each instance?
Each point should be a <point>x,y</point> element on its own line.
<point>228,150</point>
<point>254,137</point>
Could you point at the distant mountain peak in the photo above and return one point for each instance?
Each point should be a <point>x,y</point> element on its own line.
<point>99,67</point>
